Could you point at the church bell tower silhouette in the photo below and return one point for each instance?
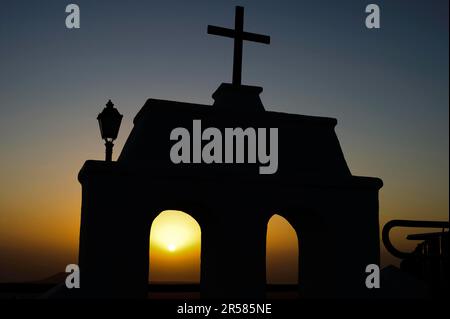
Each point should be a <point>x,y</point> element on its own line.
<point>334,213</point>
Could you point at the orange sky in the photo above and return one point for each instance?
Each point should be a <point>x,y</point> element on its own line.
<point>40,210</point>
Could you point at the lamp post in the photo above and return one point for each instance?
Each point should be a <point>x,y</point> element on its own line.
<point>109,121</point>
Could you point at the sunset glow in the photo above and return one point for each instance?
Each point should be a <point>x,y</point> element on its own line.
<point>175,245</point>
<point>388,91</point>
<point>282,252</point>
<point>174,230</point>
<point>175,248</point>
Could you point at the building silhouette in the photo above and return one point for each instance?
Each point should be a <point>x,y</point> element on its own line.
<point>334,213</point>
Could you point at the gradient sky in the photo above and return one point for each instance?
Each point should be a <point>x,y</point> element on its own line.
<point>388,88</point>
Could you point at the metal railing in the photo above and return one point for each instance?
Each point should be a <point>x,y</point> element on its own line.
<point>429,260</point>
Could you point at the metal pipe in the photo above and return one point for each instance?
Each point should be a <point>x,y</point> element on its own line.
<point>406,223</point>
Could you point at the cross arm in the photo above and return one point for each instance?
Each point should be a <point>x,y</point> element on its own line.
<point>229,33</point>
<point>256,37</point>
<point>221,31</point>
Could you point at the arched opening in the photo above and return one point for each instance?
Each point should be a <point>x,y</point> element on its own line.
<point>282,252</point>
<point>175,243</point>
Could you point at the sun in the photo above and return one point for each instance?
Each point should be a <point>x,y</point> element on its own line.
<point>174,232</point>
<point>174,252</point>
